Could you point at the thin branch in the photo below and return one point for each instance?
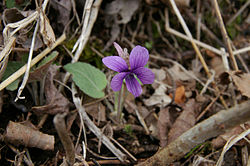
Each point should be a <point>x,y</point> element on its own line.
<point>92,127</point>
<point>224,34</point>
<point>209,128</point>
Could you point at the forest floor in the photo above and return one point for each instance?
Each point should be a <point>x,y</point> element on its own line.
<point>57,101</point>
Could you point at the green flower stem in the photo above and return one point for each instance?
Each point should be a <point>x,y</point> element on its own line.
<point>119,105</point>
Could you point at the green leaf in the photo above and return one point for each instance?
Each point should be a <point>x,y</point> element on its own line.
<point>12,67</point>
<point>88,78</point>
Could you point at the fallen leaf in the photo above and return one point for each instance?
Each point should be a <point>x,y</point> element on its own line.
<point>46,30</point>
<point>178,74</point>
<point>217,65</point>
<point>160,75</point>
<point>63,10</point>
<point>164,124</point>
<point>242,82</point>
<point>97,111</point>
<point>20,134</point>
<point>179,95</point>
<point>123,8</point>
<point>185,121</point>
<point>159,97</point>
<point>56,102</point>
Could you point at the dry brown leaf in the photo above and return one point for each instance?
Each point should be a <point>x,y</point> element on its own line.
<point>164,124</point>
<point>56,102</point>
<point>221,140</point>
<point>123,8</point>
<point>97,111</point>
<point>185,121</point>
<point>63,9</point>
<point>160,76</point>
<point>20,134</point>
<point>217,64</point>
<point>159,97</point>
<point>46,30</point>
<point>242,82</point>
<point>179,95</point>
<point>178,74</point>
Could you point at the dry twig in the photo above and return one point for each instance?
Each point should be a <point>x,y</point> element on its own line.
<point>84,116</point>
<point>225,35</point>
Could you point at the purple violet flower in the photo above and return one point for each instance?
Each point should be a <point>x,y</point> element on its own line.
<point>138,58</point>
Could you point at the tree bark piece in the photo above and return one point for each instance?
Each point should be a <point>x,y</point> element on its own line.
<point>212,127</point>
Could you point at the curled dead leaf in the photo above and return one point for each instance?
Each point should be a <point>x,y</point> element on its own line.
<point>46,30</point>
<point>19,134</point>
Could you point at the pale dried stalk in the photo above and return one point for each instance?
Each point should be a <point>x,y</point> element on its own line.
<point>204,45</point>
<point>19,25</point>
<point>26,75</point>
<point>92,127</point>
<point>209,128</point>
<point>242,50</point>
<point>178,14</point>
<point>89,17</point>
<point>224,34</point>
<point>34,61</point>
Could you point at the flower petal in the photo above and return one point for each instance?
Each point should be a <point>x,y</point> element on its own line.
<point>133,85</point>
<point>118,49</point>
<point>117,80</point>
<point>138,57</point>
<point>115,63</point>
<point>145,75</point>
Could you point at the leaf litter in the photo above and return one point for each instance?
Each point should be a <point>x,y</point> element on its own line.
<point>160,115</point>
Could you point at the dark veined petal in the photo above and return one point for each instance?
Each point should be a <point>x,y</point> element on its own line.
<point>133,85</point>
<point>117,80</point>
<point>118,49</point>
<point>138,57</point>
<point>115,63</point>
<point>145,75</point>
